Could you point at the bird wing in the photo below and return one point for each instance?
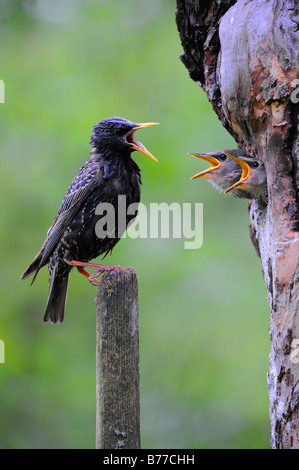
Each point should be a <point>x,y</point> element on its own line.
<point>86,180</point>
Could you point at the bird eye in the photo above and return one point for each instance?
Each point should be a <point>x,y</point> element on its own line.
<point>223,157</point>
<point>255,164</point>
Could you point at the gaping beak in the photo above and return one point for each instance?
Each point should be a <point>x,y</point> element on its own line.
<point>212,160</point>
<point>245,172</point>
<point>138,145</point>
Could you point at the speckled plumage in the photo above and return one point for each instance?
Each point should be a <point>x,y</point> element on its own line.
<point>109,172</point>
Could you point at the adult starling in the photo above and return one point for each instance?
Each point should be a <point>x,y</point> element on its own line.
<point>235,172</point>
<point>109,173</point>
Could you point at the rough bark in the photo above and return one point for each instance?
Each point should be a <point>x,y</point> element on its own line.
<point>244,54</point>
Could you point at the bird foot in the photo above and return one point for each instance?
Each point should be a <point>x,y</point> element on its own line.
<point>92,278</point>
<point>100,269</point>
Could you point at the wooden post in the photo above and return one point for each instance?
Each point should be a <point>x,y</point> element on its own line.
<point>117,362</point>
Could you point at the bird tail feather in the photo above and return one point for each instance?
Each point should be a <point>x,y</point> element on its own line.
<point>58,288</point>
<point>33,267</point>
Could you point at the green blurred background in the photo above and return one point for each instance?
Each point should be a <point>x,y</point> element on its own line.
<point>203,313</point>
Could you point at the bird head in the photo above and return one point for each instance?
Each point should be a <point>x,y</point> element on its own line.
<point>116,133</point>
<point>253,178</point>
<point>222,172</point>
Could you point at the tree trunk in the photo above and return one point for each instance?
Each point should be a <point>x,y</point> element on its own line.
<point>244,54</point>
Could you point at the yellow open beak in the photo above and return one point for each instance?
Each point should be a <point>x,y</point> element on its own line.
<point>212,160</point>
<point>138,145</point>
<point>245,172</point>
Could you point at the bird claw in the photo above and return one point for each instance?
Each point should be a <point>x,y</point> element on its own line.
<point>92,278</point>
<point>100,270</point>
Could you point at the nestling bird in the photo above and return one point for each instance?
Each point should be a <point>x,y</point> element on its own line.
<point>235,172</point>
<point>223,172</point>
<point>72,239</point>
<point>253,181</point>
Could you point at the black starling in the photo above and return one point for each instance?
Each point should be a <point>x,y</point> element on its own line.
<point>235,172</point>
<point>109,173</point>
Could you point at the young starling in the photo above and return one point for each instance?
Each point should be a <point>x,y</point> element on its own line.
<point>235,172</point>
<point>253,180</point>
<point>223,172</point>
<point>109,173</point>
